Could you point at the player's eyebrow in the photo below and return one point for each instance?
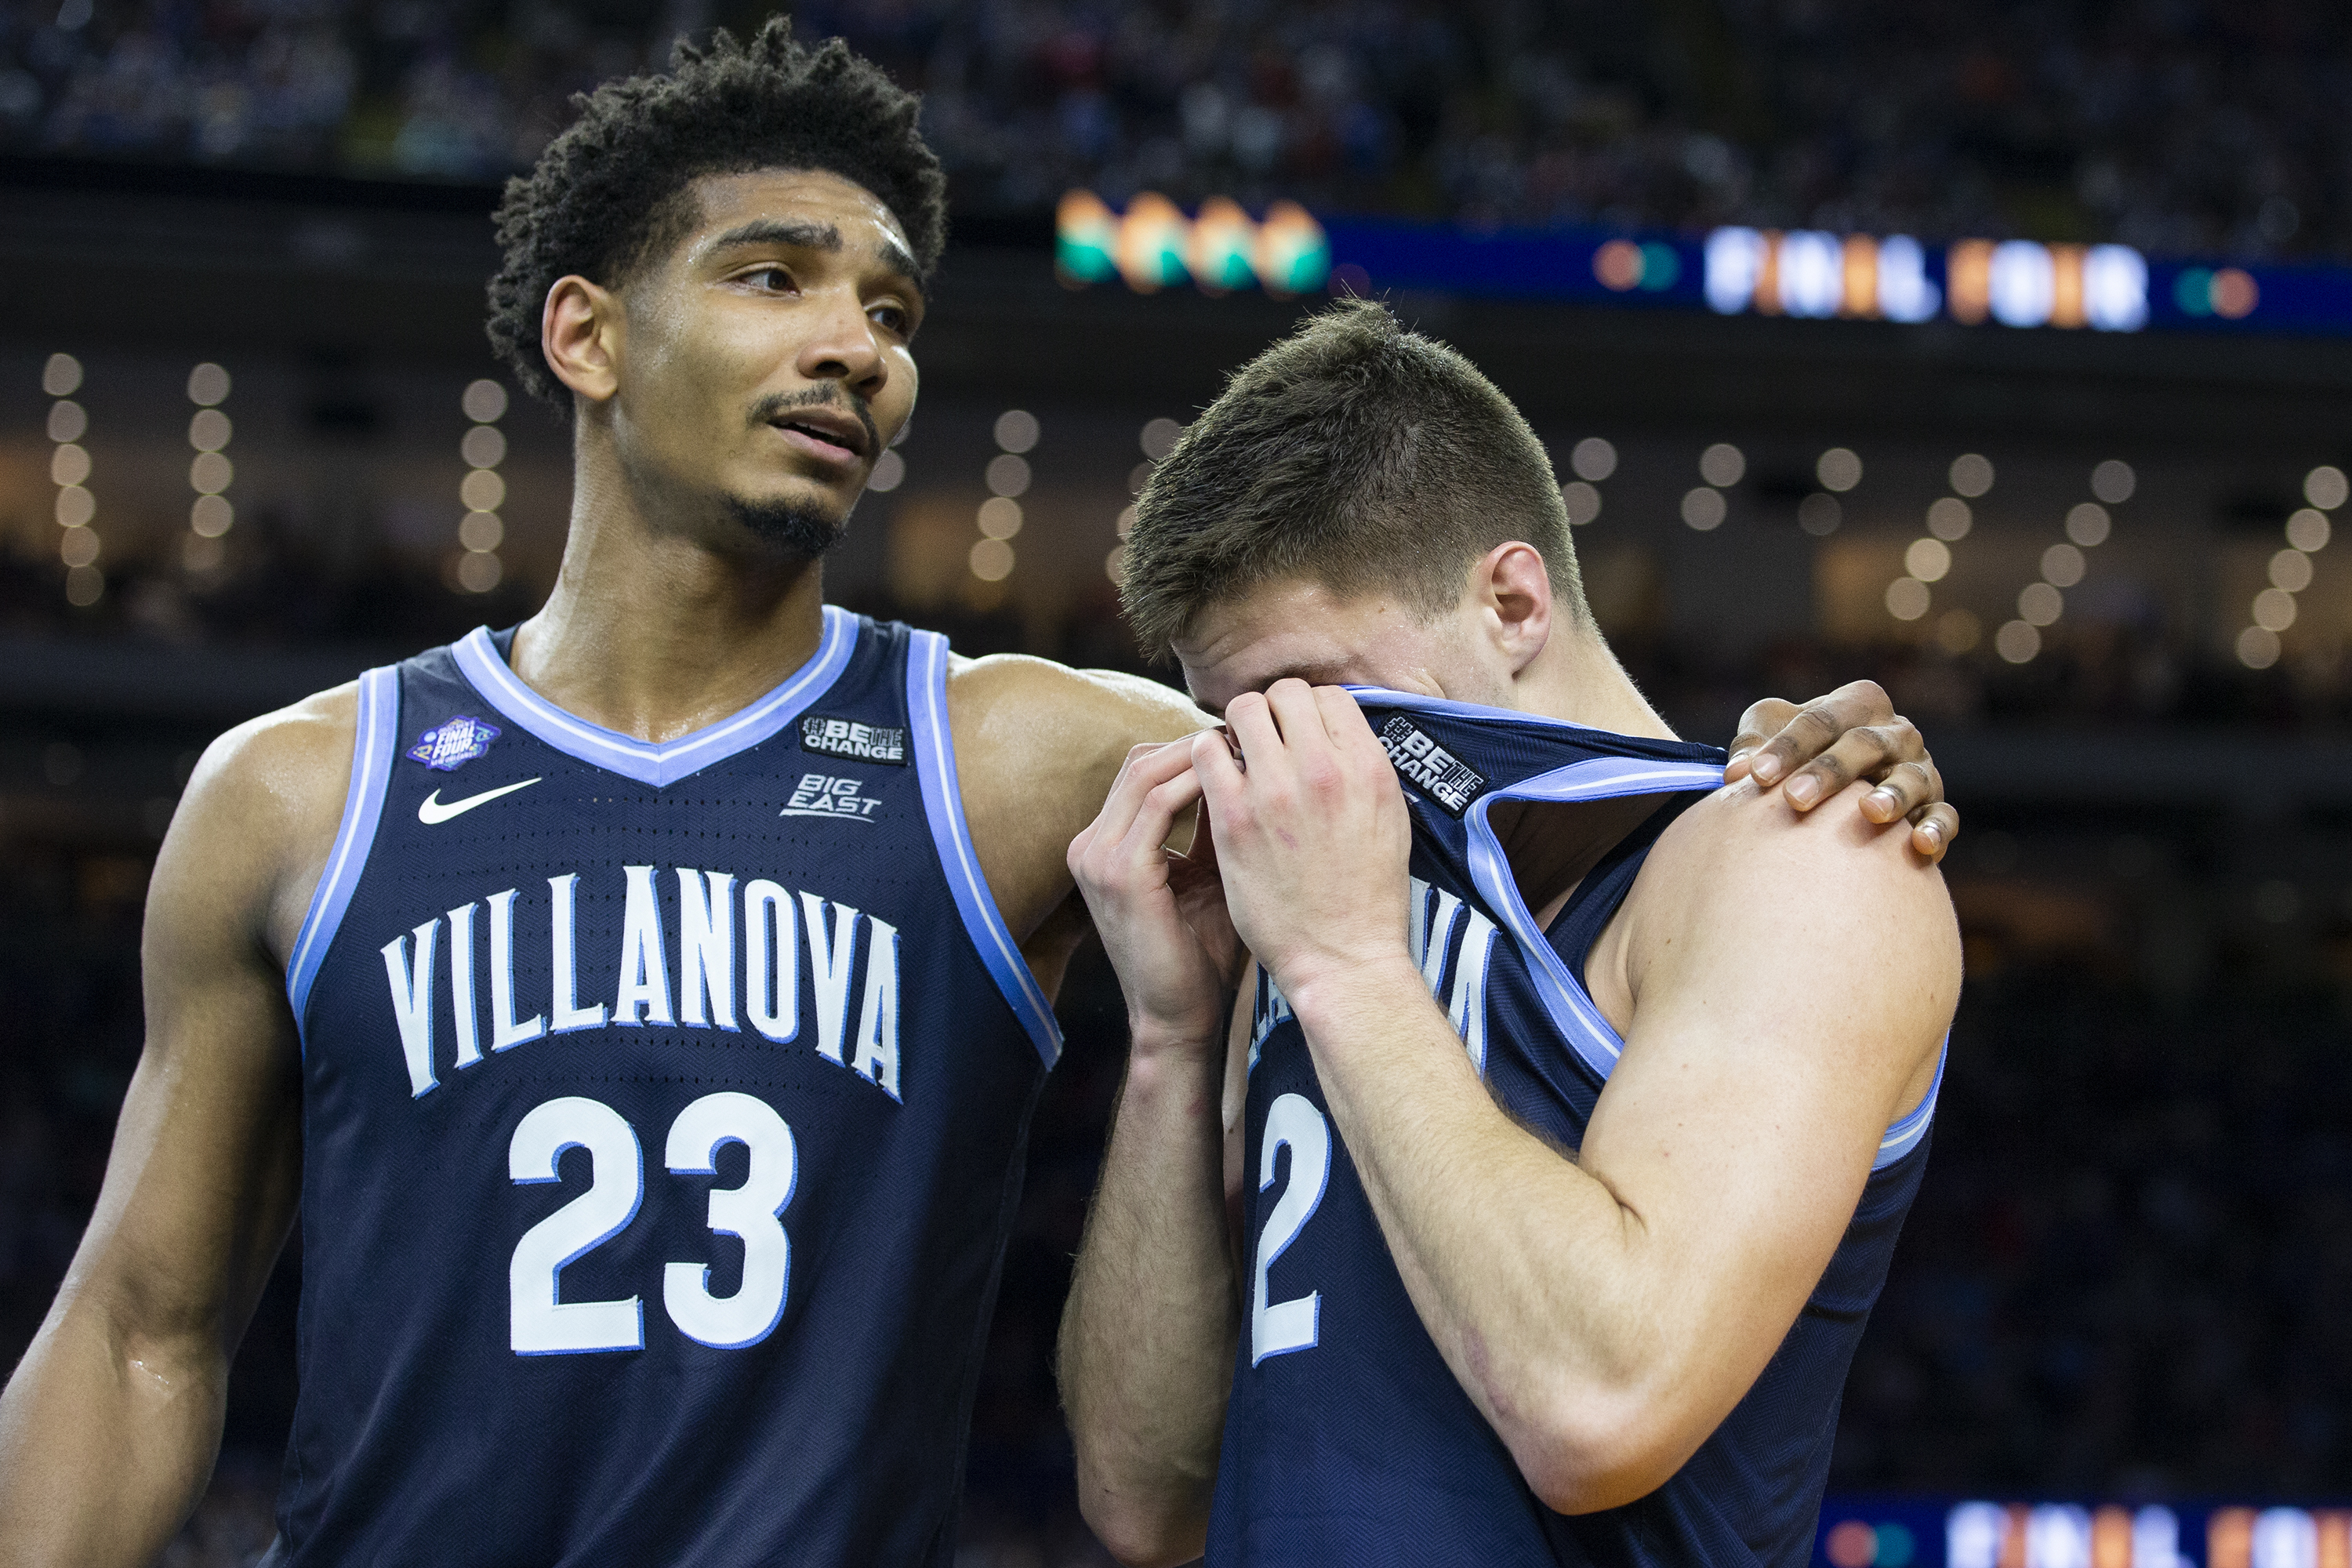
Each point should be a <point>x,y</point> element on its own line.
<point>806,235</point>
<point>801,234</point>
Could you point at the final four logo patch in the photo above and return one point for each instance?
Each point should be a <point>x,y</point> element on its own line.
<point>450,746</point>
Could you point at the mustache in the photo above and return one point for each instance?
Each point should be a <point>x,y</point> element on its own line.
<point>777,405</point>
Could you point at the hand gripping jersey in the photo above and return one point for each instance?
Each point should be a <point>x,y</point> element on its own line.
<point>663,1118</point>
<point>1348,1440</point>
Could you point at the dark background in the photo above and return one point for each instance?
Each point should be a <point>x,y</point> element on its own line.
<point>2127,1275</point>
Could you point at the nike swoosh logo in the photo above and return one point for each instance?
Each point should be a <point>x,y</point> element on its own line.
<point>431,810</point>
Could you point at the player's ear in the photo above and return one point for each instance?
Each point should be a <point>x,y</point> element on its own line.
<point>1515,591</point>
<point>580,332</point>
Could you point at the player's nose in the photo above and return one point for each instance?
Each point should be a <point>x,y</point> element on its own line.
<point>844,347</point>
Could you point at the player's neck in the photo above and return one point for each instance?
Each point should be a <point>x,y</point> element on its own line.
<point>653,633</point>
<point>1577,677</point>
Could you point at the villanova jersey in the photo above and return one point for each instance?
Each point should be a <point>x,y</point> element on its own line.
<point>1348,1440</point>
<point>663,1118</point>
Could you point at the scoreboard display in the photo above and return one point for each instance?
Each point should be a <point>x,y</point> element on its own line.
<point>1801,274</point>
<point>1861,1533</point>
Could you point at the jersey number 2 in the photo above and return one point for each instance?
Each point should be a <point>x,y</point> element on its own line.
<point>543,1324</point>
<point>1292,1325</point>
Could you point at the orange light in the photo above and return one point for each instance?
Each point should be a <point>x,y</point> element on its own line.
<point>2067,285</point>
<point>2230,1539</point>
<point>2335,1538</point>
<point>1968,280</point>
<point>2111,1539</point>
<point>1618,265</point>
<point>1861,275</point>
<point>2235,293</point>
<point>1767,273</point>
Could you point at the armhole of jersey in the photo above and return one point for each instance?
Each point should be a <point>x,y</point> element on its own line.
<point>1911,1126</point>
<point>927,709</point>
<point>373,734</point>
<point>1573,1013</point>
<point>1572,1009</point>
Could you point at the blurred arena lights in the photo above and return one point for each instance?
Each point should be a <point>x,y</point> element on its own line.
<point>1153,245</point>
<point>1591,460</point>
<point>478,569</point>
<point>1008,477</point>
<point>1891,1533</point>
<point>2290,570</point>
<point>1837,470</point>
<point>69,469</point>
<point>210,514</point>
<point>2017,282</point>
<point>1721,466</point>
<point>1930,558</point>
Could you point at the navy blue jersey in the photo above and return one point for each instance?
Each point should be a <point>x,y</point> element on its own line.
<point>663,1118</point>
<point>1347,1439</point>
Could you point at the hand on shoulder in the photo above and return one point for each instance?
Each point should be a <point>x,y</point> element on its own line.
<point>1816,923</point>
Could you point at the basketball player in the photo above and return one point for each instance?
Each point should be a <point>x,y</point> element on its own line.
<point>641,1011</point>
<point>1577,1100</point>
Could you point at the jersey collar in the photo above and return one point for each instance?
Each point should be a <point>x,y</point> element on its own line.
<point>658,765</point>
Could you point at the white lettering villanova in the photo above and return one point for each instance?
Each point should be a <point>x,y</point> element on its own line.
<point>780,929</point>
<point>1441,925</point>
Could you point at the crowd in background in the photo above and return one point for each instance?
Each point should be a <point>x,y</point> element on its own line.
<point>2178,126</point>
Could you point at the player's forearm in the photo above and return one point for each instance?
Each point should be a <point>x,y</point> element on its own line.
<point>106,1440</point>
<point>1147,1340</point>
<point>1538,1286</point>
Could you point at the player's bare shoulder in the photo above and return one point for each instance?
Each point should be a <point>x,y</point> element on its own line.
<point>1037,745</point>
<point>1741,875</point>
<point>257,820</point>
<point>1029,724</point>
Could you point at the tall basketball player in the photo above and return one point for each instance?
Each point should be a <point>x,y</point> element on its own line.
<point>640,1011</point>
<point>1578,1099</point>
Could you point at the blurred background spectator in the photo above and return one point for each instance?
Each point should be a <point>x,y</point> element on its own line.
<point>2180,126</point>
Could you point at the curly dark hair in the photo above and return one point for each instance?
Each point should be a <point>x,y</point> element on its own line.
<point>610,192</point>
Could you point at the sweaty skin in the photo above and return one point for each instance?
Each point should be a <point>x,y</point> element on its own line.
<point>767,358</point>
<point>1782,982</point>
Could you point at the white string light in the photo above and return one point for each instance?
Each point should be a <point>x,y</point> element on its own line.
<point>1000,516</point>
<point>210,515</point>
<point>1721,466</point>
<point>2291,571</point>
<point>69,469</point>
<point>1591,460</point>
<point>1929,559</point>
<point>483,489</point>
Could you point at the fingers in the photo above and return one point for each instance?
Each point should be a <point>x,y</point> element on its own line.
<point>1816,726</point>
<point>1763,720</point>
<point>1146,769</point>
<point>1869,752</point>
<point>1934,827</point>
<point>1905,790</point>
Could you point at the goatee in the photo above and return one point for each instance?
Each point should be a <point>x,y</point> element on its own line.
<point>792,530</point>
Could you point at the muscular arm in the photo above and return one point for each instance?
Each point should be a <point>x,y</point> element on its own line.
<point>1037,745</point>
<point>111,1423</point>
<point>1605,1311</point>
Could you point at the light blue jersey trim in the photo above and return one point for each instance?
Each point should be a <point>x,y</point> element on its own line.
<point>1579,1021</point>
<point>1572,1010</point>
<point>935,765</point>
<point>375,734</point>
<point>664,764</point>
